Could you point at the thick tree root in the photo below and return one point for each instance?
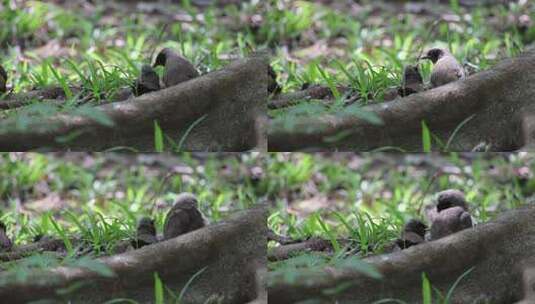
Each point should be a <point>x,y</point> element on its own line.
<point>223,105</point>
<point>529,286</point>
<point>231,252</point>
<point>486,107</point>
<point>497,252</point>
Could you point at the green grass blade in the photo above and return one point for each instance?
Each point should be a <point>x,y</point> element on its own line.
<point>426,290</point>
<point>450,140</point>
<point>188,283</point>
<point>195,123</point>
<point>426,138</point>
<point>158,290</point>
<point>158,138</point>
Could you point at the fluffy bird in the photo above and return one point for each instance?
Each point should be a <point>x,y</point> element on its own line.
<point>449,221</point>
<point>183,217</point>
<point>412,81</point>
<point>177,69</point>
<point>145,234</point>
<point>148,81</point>
<point>413,234</point>
<point>5,242</point>
<point>3,80</point>
<point>451,198</point>
<point>273,86</point>
<point>446,68</point>
<point>444,200</point>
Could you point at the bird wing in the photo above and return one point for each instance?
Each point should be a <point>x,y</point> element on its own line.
<point>465,220</point>
<point>445,71</point>
<point>412,237</point>
<point>177,223</point>
<point>196,219</point>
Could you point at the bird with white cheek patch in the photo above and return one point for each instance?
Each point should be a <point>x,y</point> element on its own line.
<point>446,68</point>
<point>177,69</point>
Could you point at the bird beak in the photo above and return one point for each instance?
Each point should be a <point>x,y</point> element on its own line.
<point>423,57</point>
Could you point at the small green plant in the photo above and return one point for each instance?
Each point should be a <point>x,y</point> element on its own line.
<point>426,138</point>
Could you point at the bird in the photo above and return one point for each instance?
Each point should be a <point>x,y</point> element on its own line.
<point>444,200</point>
<point>412,81</point>
<point>451,198</point>
<point>413,234</point>
<point>148,81</point>
<point>5,242</point>
<point>183,217</point>
<point>3,80</point>
<point>177,69</point>
<point>145,233</point>
<point>449,221</point>
<point>446,68</point>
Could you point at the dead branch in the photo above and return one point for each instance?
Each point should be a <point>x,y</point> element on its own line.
<point>286,251</point>
<point>312,92</point>
<point>54,94</point>
<point>40,246</point>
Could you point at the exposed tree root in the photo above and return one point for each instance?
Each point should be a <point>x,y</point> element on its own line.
<point>486,107</point>
<point>224,105</point>
<point>498,252</point>
<point>231,251</point>
<point>529,286</point>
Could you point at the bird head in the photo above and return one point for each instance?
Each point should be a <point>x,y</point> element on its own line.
<point>416,226</point>
<point>412,72</point>
<point>186,200</point>
<point>451,198</point>
<point>146,224</point>
<point>162,57</point>
<point>434,54</point>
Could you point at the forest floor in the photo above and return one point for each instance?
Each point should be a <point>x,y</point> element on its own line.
<point>92,199</point>
<point>366,46</point>
<point>93,54</point>
<point>360,203</point>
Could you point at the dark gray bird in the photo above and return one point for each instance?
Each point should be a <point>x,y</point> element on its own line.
<point>451,198</point>
<point>412,81</point>
<point>446,68</point>
<point>148,81</point>
<point>145,233</point>
<point>444,200</point>
<point>413,234</point>
<point>449,221</point>
<point>5,242</point>
<point>273,86</point>
<point>177,69</point>
<point>183,217</point>
<point>3,80</point>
